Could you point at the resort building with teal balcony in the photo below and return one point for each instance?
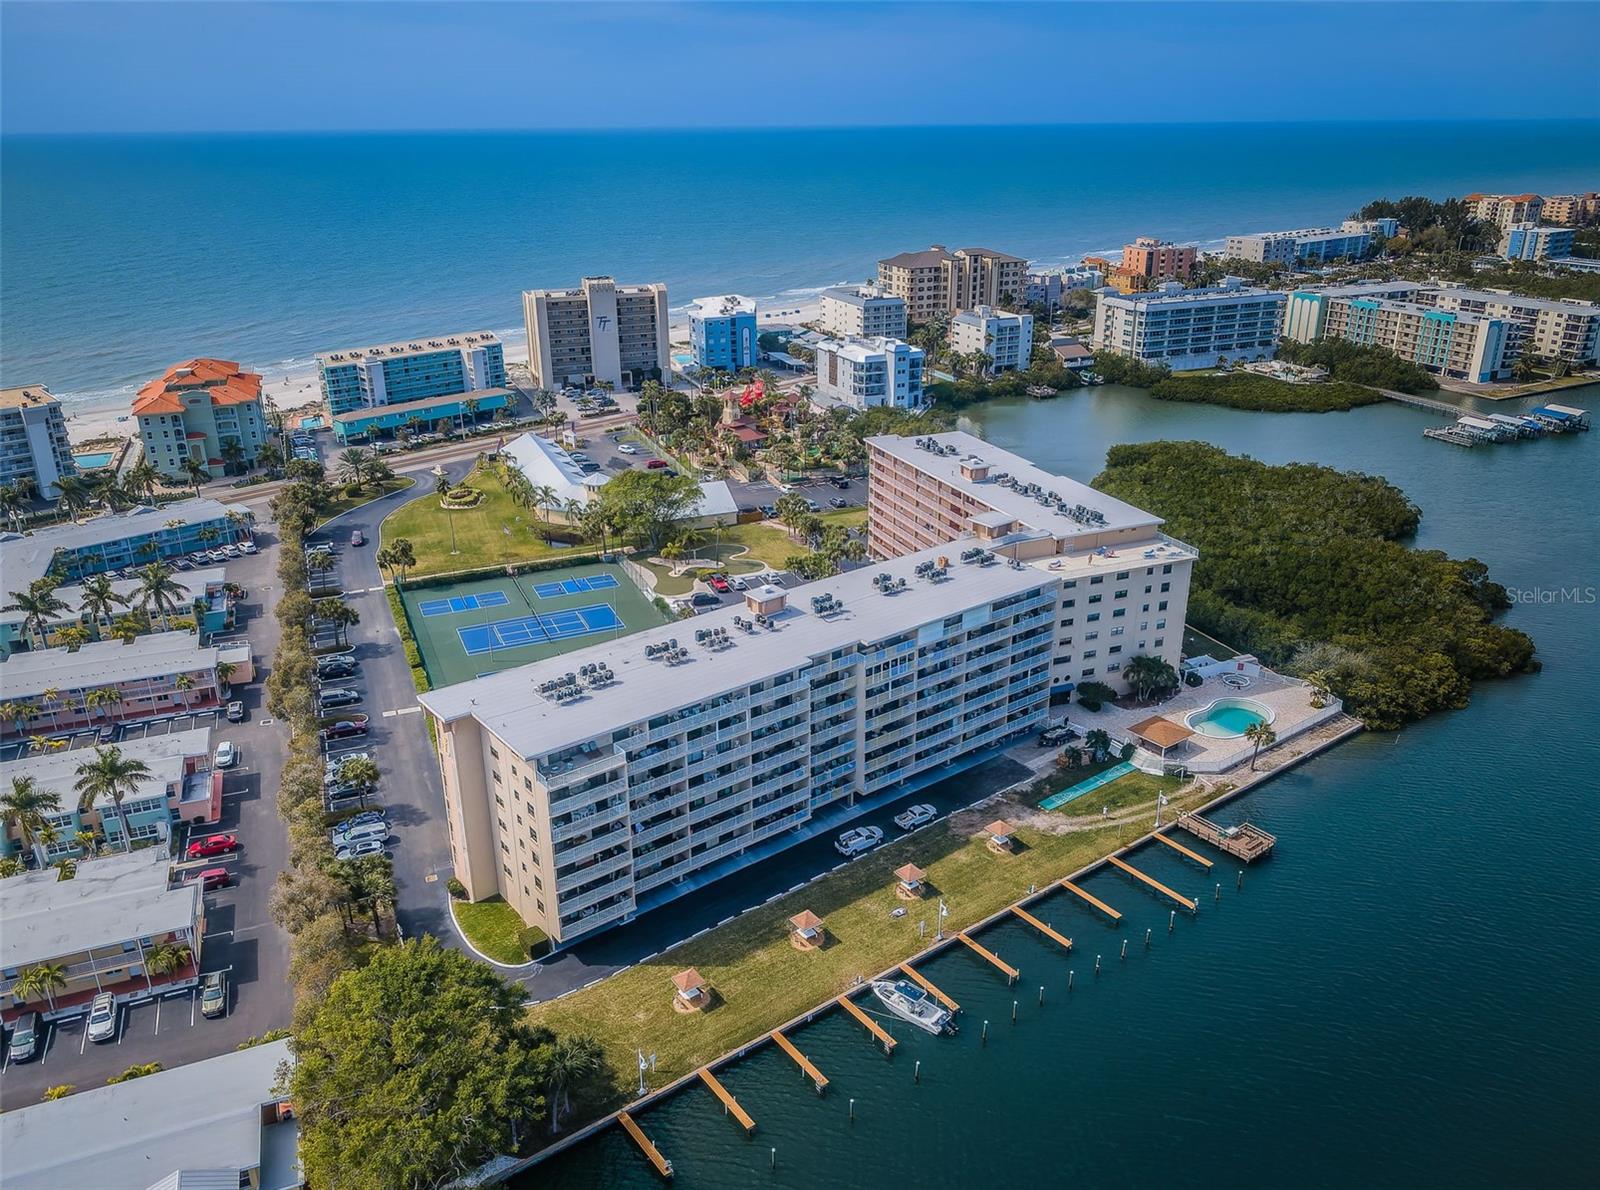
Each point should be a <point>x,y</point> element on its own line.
<point>722,332</point>
<point>432,413</point>
<point>1402,318</point>
<point>414,370</point>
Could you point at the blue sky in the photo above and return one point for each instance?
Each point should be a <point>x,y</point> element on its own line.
<point>70,67</point>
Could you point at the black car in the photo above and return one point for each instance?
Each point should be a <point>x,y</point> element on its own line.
<point>703,599</point>
<point>768,511</point>
<point>840,482</point>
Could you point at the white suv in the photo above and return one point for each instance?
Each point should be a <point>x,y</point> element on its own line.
<point>857,840</point>
<point>103,1018</point>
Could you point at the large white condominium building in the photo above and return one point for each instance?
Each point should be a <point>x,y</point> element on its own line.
<point>1124,583</point>
<point>592,786</point>
<point>1404,320</point>
<point>863,313</point>
<point>869,372</point>
<point>33,439</point>
<point>598,331</point>
<point>942,282</point>
<point>1007,339</point>
<point>1190,328</point>
<point>1351,240</point>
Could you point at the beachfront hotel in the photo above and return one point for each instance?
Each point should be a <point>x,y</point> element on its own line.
<point>722,332</point>
<point>1571,210</point>
<point>459,409</point>
<point>1007,339</point>
<point>1124,584</point>
<point>590,787</point>
<point>600,331</point>
<point>1045,287</point>
<point>1529,241</point>
<point>1461,345</point>
<point>1190,328</point>
<point>1146,261</point>
<point>1505,209</point>
<point>1351,240</point>
<point>193,410</point>
<point>865,373</point>
<point>33,439</point>
<point>863,312</point>
<point>938,281</point>
<point>414,370</point>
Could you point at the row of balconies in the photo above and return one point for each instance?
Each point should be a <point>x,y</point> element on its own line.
<point>603,869</point>
<point>579,824</point>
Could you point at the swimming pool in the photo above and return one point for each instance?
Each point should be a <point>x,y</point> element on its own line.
<point>1227,718</point>
<point>91,461</point>
<point>311,423</point>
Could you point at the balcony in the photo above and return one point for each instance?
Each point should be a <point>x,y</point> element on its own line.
<point>594,871</point>
<point>654,785</point>
<point>664,874</point>
<point>589,820</point>
<point>577,852</point>
<point>660,830</point>
<point>594,896</point>
<point>565,799</point>
<point>570,772</point>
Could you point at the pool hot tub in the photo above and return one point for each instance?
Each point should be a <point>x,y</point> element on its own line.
<point>1228,718</point>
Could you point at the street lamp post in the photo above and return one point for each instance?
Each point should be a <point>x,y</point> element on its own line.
<point>444,498</point>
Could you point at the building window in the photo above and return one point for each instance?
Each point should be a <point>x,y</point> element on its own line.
<point>1088,673</point>
<point>1162,606</point>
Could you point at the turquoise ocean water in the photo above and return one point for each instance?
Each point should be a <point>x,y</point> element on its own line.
<point>124,254</point>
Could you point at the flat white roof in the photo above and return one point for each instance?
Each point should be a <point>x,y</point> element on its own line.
<point>1188,297</point>
<point>1364,289</point>
<point>725,306</point>
<point>509,704</point>
<point>548,464</point>
<point>104,663</point>
<point>860,297</point>
<point>112,899</point>
<point>200,1116</point>
<point>25,558</point>
<point>165,755</point>
<point>405,347</point>
<point>957,447</point>
<point>861,351</point>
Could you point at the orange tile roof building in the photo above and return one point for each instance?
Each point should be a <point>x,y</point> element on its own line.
<point>194,410</point>
<point>1505,209</point>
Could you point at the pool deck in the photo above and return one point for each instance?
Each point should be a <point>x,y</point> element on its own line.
<point>1288,698</point>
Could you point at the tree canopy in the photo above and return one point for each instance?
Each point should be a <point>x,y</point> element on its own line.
<point>646,505</point>
<point>1360,363</point>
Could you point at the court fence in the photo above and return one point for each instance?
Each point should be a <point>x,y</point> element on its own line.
<point>451,577</point>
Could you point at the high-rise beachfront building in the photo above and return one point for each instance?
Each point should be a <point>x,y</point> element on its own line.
<point>864,373</point>
<point>1190,328</point>
<point>194,410</point>
<point>1045,287</point>
<point>1158,260</point>
<point>1351,240</point>
<point>1529,241</point>
<point>863,312</point>
<point>722,332</point>
<point>1571,210</point>
<point>939,281</point>
<point>1505,209</point>
<point>1124,583</point>
<point>593,786</point>
<point>1007,339</point>
<point>33,439</point>
<point>413,370</point>
<point>598,331</point>
<point>1461,345</point>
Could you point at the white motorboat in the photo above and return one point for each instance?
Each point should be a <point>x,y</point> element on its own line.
<point>910,1003</point>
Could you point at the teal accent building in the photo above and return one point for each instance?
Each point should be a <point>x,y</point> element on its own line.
<point>361,425</point>
<point>417,370</point>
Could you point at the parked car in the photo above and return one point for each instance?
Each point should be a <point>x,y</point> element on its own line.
<point>335,763</point>
<point>719,584</point>
<point>248,547</point>
<point>703,599</point>
<point>337,667</point>
<point>344,835</point>
<point>840,482</point>
<point>914,816</point>
<point>330,699</point>
<point>1051,736</point>
<point>227,755</point>
<point>345,729</point>
<point>212,879</point>
<point>738,584</point>
<point>359,849</point>
<point>656,464</point>
<point>768,511</point>
<point>103,1017</point>
<point>213,845</point>
<point>366,818</point>
<point>235,712</point>
<point>25,1037</point>
<point>579,456</point>
<point>183,564</point>
<point>812,505</point>
<point>214,995</point>
<point>627,448</point>
<point>838,502</point>
<point>857,840</point>
<point>356,538</point>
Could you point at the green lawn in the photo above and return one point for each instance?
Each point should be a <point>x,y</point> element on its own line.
<point>495,533</point>
<point>760,981</point>
<point>493,927</point>
<point>367,495</point>
<point>744,549</point>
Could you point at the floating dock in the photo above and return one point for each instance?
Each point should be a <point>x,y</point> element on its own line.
<point>1472,428</point>
<point>1186,902</point>
<point>1245,841</point>
<point>729,1103</point>
<point>1011,972</point>
<point>1092,899</point>
<point>819,1079</point>
<point>873,1027</point>
<point>927,986</point>
<point>663,1166</point>
<point>1041,927</point>
<point>1182,850</point>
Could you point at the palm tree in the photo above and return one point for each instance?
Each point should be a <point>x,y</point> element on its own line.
<point>574,1058</point>
<point>111,775</point>
<point>43,981</point>
<point>73,494</point>
<point>72,638</point>
<point>398,557</point>
<point>141,479</point>
<point>1148,674</point>
<point>470,408</point>
<point>38,605</point>
<point>99,601</point>
<point>130,626</point>
<point>18,712</point>
<point>103,697</point>
<point>1321,683</point>
<point>353,465</point>
<point>158,589</point>
<point>1098,742</point>
<point>338,613</point>
<point>363,774</point>
<point>1262,736</point>
<point>86,840</point>
<point>12,504</point>
<point>543,496</point>
<point>196,473</point>
<point>233,454</point>
<point>166,957</point>
<point>225,672</point>
<point>11,866</point>
<point>26,807</point>
<point>184,684</point>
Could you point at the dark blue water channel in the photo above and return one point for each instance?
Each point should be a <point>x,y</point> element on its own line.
<point>1404,994</point>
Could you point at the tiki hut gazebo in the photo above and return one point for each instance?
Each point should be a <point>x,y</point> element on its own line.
<point>1000,832</point>
<point>1160,734</point>
<point>692,993</point>
<point>910,879</point>
<point>805,930</point>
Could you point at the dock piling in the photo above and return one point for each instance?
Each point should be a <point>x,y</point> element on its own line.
<point>1172,920</point>
<point>984,1037</point>
<point>916,1073</point>
<point>1218,898</point>
<point>1013,1012</point>
<point>1147,939</point>
<point>1097,964</point>
<point>1124,948</point>
<point>1070,974</point>
<point>1240,882</point>
<point>852,1111</point>
<point>1041,995</point>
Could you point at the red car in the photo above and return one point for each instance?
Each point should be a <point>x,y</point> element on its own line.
<point>343,730</point>
<point>214,878</point>
<point>656,464</point>
<point>719,584</point>
<point>215,845</point>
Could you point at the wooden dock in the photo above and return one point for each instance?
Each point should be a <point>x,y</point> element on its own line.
<point>927,986</point>
<point>1041,927</point>
<point>663,1166</point>
<point>788,1047</point>
<point>1011,972</point>
<point>1186,902</point>
<point>1244,841</point>
<point>873,1027</point>
<point>728,1101</point>
<point>1428,403</point>
<point>1092,899</point>
<point>1183,851</point>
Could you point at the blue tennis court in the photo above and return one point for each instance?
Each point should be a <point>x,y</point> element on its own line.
<point>574,586</point>
<point>462,603</point>
<point>534,630</point>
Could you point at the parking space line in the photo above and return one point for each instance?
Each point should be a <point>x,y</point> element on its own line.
<point>158,1016</point>
<point>49,1035</point>
<point>85,1040</point>
<point>193,997</point>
